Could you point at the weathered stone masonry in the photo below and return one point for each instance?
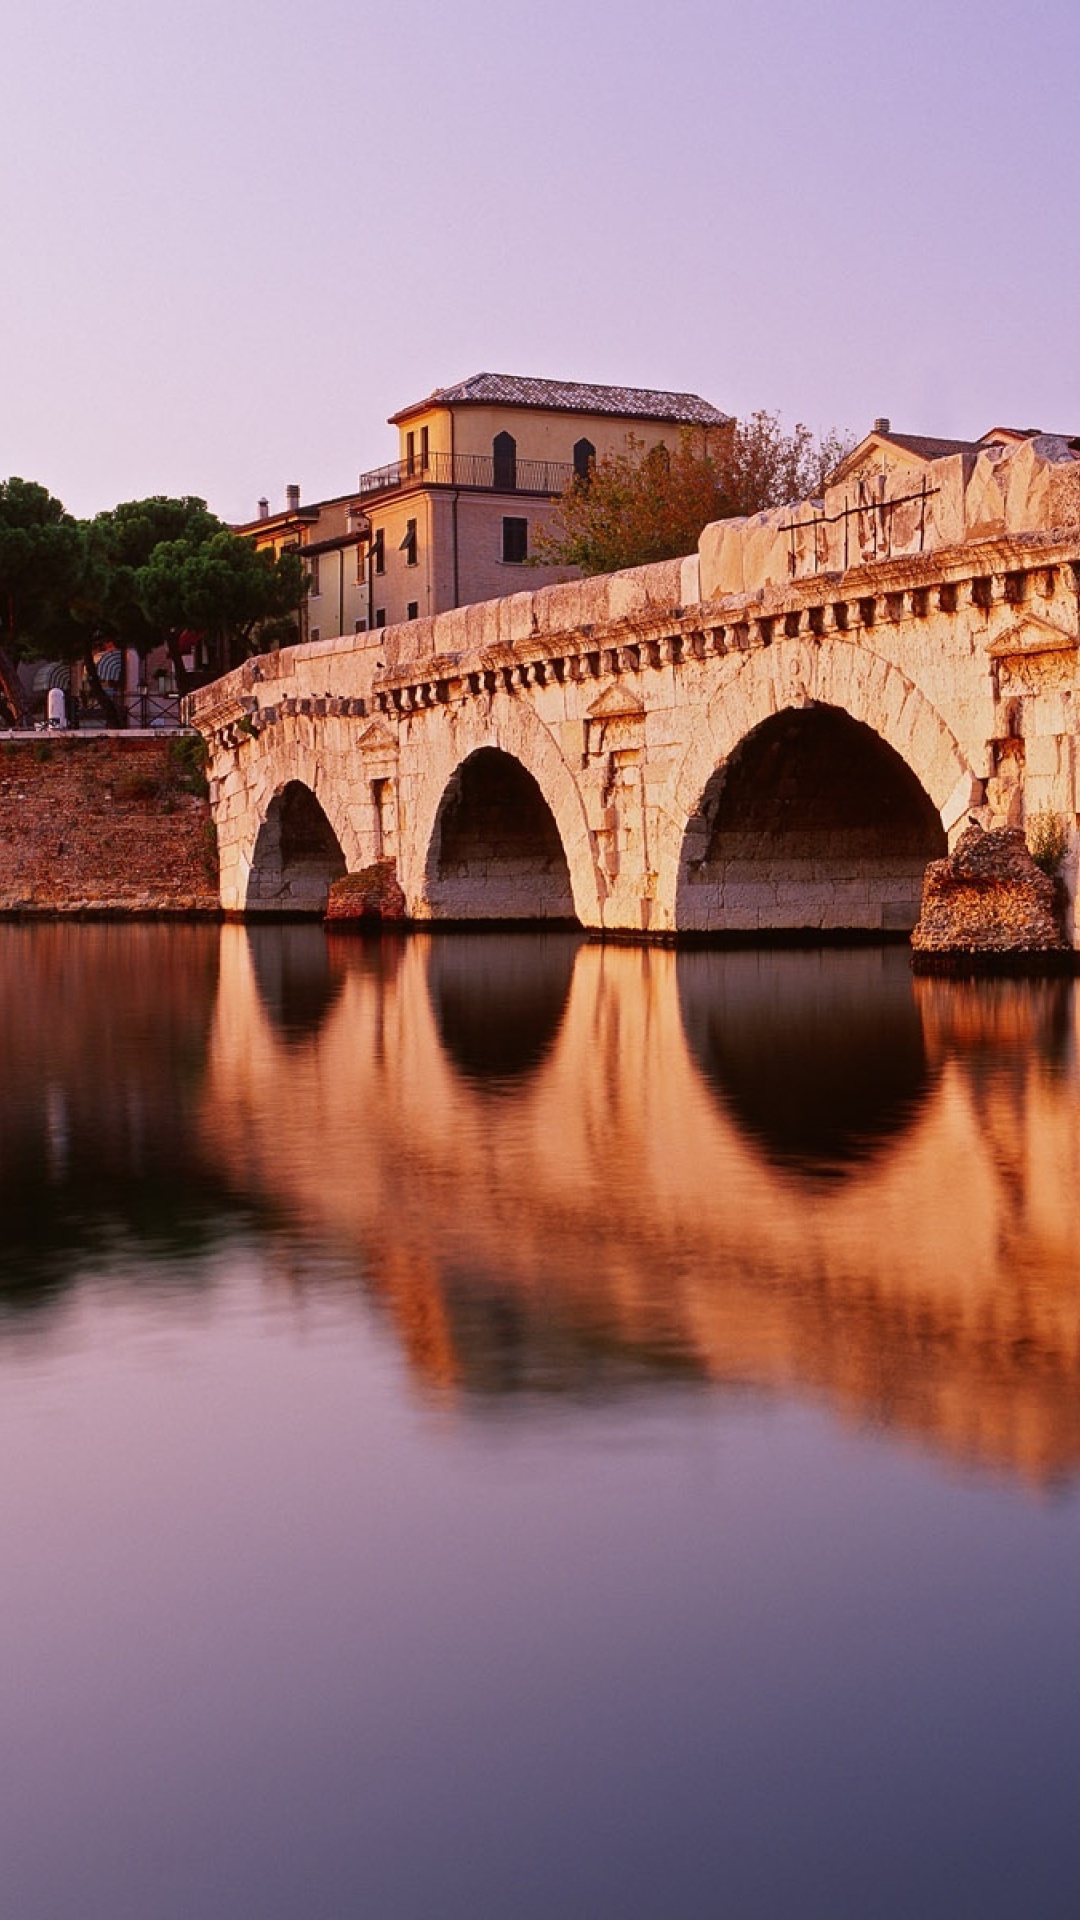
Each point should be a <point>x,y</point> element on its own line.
<point>658,754</point>
<point>101,825</point>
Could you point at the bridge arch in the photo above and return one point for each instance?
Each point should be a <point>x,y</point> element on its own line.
<point>817,785</point>
<point>296,854</point>
<point>495,852</point>
<point>502,760</point>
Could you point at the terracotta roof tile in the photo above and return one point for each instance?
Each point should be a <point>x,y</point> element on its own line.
<point>572,396</point>
<point>929,447</point>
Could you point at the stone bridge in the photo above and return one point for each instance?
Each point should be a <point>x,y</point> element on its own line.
<point>777,732</point>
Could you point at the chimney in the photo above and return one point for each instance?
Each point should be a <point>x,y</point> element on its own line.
<point>264,509</point>
<point>292,499</point>
<point>882,424</point>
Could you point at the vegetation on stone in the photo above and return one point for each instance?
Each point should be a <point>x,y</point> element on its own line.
<point>1047,841</point>
<point>989,897</point>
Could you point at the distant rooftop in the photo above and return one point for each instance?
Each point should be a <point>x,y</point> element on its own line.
<point>572,396</point>
<point>931,447</point>
<point>928,447</point>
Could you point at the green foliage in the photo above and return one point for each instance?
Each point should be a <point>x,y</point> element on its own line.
<point>210,854</point>
<point>222,587</point>
<point>121,543</point>
<point>188,756</point>
<point>147,574</point>
<point>1047,840</point>
<point>651,503</point>
<point>42,568</point>
<point>137,782</point>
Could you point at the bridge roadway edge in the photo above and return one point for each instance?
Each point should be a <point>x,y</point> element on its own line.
<point>621,701</point>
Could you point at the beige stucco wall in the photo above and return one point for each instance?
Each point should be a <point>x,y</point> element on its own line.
<point>541,433</point>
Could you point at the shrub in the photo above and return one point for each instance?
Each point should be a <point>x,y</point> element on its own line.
<point>1048,840</point>
<point>187,763</point>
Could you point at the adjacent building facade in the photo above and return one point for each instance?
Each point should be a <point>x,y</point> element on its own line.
<point>455,518</point>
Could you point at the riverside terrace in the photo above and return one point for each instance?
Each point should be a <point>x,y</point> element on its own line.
<point>756,737</point>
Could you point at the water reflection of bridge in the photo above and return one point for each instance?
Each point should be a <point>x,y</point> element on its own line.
<point>560,1164</point>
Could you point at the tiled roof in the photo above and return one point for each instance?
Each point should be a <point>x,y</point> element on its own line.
<point>923,446</point>
<point>572,396</point>
<point>929,448</point>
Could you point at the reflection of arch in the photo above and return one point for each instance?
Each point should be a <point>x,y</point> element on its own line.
<point>813,821</point>
<point>294,977</point>
<point>820,1058</point>
<point>495,851</point>
<point>499,1000</point>
<point>754,687</point>
<point>296,856</point>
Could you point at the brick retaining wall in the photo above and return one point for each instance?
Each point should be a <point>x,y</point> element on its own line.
<point>102,824</point>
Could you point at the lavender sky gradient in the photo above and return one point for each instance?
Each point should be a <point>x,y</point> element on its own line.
<point>239,233</point>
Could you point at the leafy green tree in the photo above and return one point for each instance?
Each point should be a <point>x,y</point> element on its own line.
<point>238,597</point>
<point>122,542</point>
<point>42,569</point>
<point>651,503</point>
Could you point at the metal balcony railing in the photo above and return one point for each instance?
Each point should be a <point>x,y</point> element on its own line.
<point>477,470</point>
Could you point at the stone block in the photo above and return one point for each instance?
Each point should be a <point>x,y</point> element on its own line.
<point>1043,756</point>
<point>720,558</point>
<point>985,496</point>
<point>690,580</point>
<point>963,797</point>
<point>766,550</point>
<point>448,632</point>
<point>1042,480</point>
<point>947,481</point>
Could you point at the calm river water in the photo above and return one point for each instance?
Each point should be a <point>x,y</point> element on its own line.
<point>494,1427</point>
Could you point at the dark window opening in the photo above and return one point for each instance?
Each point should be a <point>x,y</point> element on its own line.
<point>379,550</point>
<point>504,459</point>
<point>412,610</point>
<point>408,545</point>
<point>313,576</point>
<point>378,802</point>
<point>380,616</point>
<point>424,454</point>
<point>515,541</point>
<point>584,459</point>
<point>410,453</point>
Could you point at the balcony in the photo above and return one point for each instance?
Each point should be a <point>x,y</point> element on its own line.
<point>480,471</point>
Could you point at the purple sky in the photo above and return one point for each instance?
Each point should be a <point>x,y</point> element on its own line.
<point>239,233</point>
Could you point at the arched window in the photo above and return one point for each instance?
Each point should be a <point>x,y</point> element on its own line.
<point>504,453</point>
<point>584,458</point>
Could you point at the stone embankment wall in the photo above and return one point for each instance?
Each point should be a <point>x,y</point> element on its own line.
<point>102,825</point>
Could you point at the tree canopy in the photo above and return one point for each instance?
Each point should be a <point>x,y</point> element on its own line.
<point>651,503</point>
<point>232,593</point>
<point>41,561</point>
<point>146,574</point>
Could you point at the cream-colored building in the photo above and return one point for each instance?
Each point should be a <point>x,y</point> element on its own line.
<point>455,518</point>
